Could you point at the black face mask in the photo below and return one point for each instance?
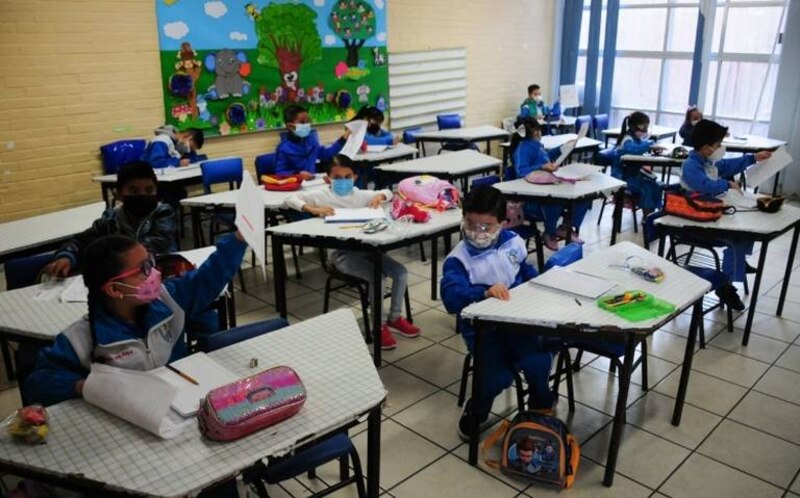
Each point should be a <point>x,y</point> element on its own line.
<point>374,129</point>
<point>139,206</point>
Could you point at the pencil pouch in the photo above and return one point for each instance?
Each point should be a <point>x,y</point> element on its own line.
<point>237,409</point>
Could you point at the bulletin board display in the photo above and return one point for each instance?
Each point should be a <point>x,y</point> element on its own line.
<point>232,66</point>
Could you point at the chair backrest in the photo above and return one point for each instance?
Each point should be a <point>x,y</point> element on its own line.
<point>579,122</point>
<point>448,121</point>
<point>410,135</point>
<point>24,272</point>
<point>117,154</point>
<point>599,123</point>
<point>235,335</point>
<point>485,181</point>
<point>387,139</point>
<point>565,256</point>
<point>508,124</point>
<point>226,170</point>
<point>265,164</point>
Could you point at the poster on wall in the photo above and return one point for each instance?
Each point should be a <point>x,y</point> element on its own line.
<point>232,66</point>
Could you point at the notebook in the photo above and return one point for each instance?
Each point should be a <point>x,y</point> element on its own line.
<point>581,284</point>
<point>350,215</point>
<point>208,373</point>
<point>377,148</point>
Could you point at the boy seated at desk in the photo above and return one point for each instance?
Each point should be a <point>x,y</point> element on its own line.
<point>485,265</point>
<point>704,172</point>
<point>376,135</point>
<point>300,149</point>
<point>533,106</point>
<point>140,216</point>
<point>342,194</point>
<point>171,148</point>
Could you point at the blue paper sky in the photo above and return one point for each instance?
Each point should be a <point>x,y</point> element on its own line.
<point>216,24</point>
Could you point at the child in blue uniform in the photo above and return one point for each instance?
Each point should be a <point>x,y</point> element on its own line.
<point>693,116</point>
<point>634,139</point>
<point>703,172</point>
<point>534,105</point>
<point>300,149</point>
<point>374,117</point>
<point>485,265</point>
<point>171,148</point>
<point>530,155</point>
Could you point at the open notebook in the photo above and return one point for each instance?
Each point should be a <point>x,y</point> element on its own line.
<point>581,284</point>
<point>350,215</point>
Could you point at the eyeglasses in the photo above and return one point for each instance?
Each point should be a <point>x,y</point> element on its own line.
<point>480,227</point>
<point>143,269</point>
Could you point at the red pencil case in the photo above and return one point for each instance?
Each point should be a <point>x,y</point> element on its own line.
<point>237,409</point>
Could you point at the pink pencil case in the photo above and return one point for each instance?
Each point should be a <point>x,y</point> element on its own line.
<point>250,404</point>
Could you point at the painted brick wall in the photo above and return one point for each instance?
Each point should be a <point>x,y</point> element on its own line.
<point>81,73</point>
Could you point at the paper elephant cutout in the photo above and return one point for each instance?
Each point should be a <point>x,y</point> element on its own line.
<point>230,68</point>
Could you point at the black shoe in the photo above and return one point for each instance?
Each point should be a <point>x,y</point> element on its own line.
<point>730,297</point>
<point>750,269</point>
<point>463,422</point>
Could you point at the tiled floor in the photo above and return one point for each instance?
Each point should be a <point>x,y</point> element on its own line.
<point>740,434</point>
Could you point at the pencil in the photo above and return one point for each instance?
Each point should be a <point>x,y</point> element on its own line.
<point>578,302</point>
<point>345,227</point>
<point>170,367</point>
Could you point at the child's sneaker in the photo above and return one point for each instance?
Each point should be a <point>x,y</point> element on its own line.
<point>406,328</point>
<point>387,340</point>
<point>561,233</point>
<point>550,242</point>
<point>463,422</point>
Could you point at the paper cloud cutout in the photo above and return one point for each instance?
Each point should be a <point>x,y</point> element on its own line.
<point>319,3</point>
<point>381,37</point>
<point>330,39</point>
<point>238,36</point>
<point>176,30</point>
<point>215,9</point>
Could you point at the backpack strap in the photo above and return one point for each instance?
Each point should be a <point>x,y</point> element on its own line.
<point>492,440</point>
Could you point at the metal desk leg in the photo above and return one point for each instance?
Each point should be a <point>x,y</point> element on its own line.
<point>374,449</point>
<point>279,270</point>
<point>616,225</point>
<point>568,220</point>
<point>477,372</point>
<point>619,414</point>
<point>788,273</point>
<point>377,305</point>
<point>6,350</point>
<point>195,214</point>
<point>104,194</point>
<point>775,183</point>
<point>662,242</point>
<point>422,146</point>
<point>762,259</point>
<point>434,264</point>
<point>488,147</point>
<point>688,355</point>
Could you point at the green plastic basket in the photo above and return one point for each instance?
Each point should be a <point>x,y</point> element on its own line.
<point>637,310</point>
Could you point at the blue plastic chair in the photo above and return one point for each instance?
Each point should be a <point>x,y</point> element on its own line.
<point>336,447</point>
<point>226,170</point>
<point>117,154</point>
<point>410,135</point>
<point>452,122</point>
<point>265,164</point>
<point>24,272</point>
<point>599,123</point>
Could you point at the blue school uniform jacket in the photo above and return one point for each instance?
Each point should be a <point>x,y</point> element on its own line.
<point>467,270</point>
<point>698,174</point>
<point>383,137</point>
<point>295,154</point>
<point>160,338</point>
<point>161,153</point>
<point>629,145</point>
<point>531,156</point>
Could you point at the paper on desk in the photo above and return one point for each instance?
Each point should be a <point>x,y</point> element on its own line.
<point>250,219</point>
<point>760,172</point>
<point>742,200</point>
<point>576,171</point>
<point>208,373</point>
<point>51,290</point>
<point>358,129</point>
<point>139,397</point>
<point>569,146</point>
<point>568,95</point>
<point>343,215</point>
<point>581,284</point>
<point>76,291</point>
<point>377,148</point>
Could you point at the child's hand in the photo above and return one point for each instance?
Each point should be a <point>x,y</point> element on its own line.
<point>58,268</point>
<point>321,211</point>
<point>396,139</point>
<point>735,186</point>
<point>550,167</point>
<point>498,291</point>
<point>305,175</point>
<point>763,155</point>
<point>376,201</point>
<point>185,162</point>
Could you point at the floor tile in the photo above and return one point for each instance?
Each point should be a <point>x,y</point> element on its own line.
<point>731,367</point>
<point>642,456</point>
<point>456,343</point>
<point>657,369</point>
<point>451,477</point>
<point>257,315</point>
<point>701,477</point>
<point>667,347</point>
<point>758,347</point>
<point>654,414</point>
<point>598,389</point>
<point>792,293</point>
<point>796,486</point>
<point>764,456</point>
<point>781,383</point>
<point>583,422</point>
<point>402,453</point>
<point>403,389</point>
<point>435,325</point>
<point>770,415</point>
<point>790,359</point>
<point>405,347</point>
<point>435,417</point>
<point>771,326</point>
<point>589,484</point>
<point>437,364</point>
<point>769,304</point>
<point>707,392</point>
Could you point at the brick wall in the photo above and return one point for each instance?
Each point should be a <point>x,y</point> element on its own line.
<point>81,73</point>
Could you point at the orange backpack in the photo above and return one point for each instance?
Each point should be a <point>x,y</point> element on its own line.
<point>695,206</point>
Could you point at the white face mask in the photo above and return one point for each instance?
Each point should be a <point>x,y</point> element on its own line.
<point>718,154</point>
<point>694,122</point>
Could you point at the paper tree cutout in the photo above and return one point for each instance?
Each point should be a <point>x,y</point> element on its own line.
<point>354,22</point>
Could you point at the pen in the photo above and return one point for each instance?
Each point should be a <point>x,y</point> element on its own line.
<point>347,227</point>
<point>578,302</point>
<point>170,367</point>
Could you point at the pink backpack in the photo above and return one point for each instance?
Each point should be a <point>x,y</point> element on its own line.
<point>429,191</point>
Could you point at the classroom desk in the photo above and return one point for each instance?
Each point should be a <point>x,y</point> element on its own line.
<point>595,186</point>
<point>95,452</point>
<point>659,132</point>
<point>539,310</point>
<point>453,166</point>
<point>585,144</point>
<point>666,162</point>
<point>755,226</point>
<point>314,232</point>
<point>396,152</point>
<point>47,231</point>
<point>182,176</point>
<point>750,144</point>
<point>485,133</point>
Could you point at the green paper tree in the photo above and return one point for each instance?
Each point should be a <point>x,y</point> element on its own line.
<point>287,36</point>
<point>354,22</point>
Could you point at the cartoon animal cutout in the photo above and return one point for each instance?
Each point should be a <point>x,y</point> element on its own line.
<point>363,94</point>
<point>290,79</point>
<point>230,68</point>
<point>202,108</point>
<point>316,95</point>
<point>377,57</point>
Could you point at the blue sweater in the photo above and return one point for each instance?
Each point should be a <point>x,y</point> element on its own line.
<point>629,145</point>
<point>383,137</point>
<point>295,154</point>
<point>531,155</point>
<point>457,291</point>
<point>58,367</point>
<point>695,178</point>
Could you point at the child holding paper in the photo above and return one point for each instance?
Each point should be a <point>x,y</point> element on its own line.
<point>635,140</point>
<point>485,265</point>
<point>376,135</point>
<point>300,149</point>
<point>530,155</point>
<point>342,194</point>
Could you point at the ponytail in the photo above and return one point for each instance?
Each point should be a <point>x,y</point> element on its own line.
<point>623,131</point>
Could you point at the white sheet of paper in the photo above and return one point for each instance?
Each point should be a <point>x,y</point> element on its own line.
<point>121,392</point>
<point>75,292</point>
<point>584,130</point>
<point>581,284</point>
<point>569,96</point>
<point>358,130</point>
<point>760,172</point>
<point>576,171</point>
<point>208,373</point>
<point>344,215</point>
<point>51,291</point>
<point>566,150</point>
<point>377,148</point>
<point>743,200</point>
<point>250,219</point>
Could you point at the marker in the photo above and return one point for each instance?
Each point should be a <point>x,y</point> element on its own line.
<point>578,302</point>
<point>186,377</point>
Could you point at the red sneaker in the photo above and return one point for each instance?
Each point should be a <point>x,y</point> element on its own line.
<point>387,340</point>
<point>406,328</point>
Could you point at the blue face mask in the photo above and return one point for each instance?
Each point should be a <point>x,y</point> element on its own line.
<point>302,130</point>
<point>342,186</point>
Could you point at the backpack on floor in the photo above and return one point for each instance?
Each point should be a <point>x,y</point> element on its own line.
<point>537,447</point>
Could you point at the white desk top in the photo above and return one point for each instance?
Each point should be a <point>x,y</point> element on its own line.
<point>397,231</point>
<point>272,199</point>
<point>564,121</point>
<point>165,175</point>
<point>596,183</point>
<point>532,304</point>
<point>21,314</point>
<point>655,130</point>
<point>653,159</point>
<point>755,222</point>
<point>475,133</point>
<point>394,152</point>
<point>553,141</point>
<point>751,143</point>
<point>47,228</point>
<point>462,162</point>
<point>328,353</point>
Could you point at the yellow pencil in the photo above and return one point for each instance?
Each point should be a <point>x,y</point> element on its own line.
<point>170,367</point>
